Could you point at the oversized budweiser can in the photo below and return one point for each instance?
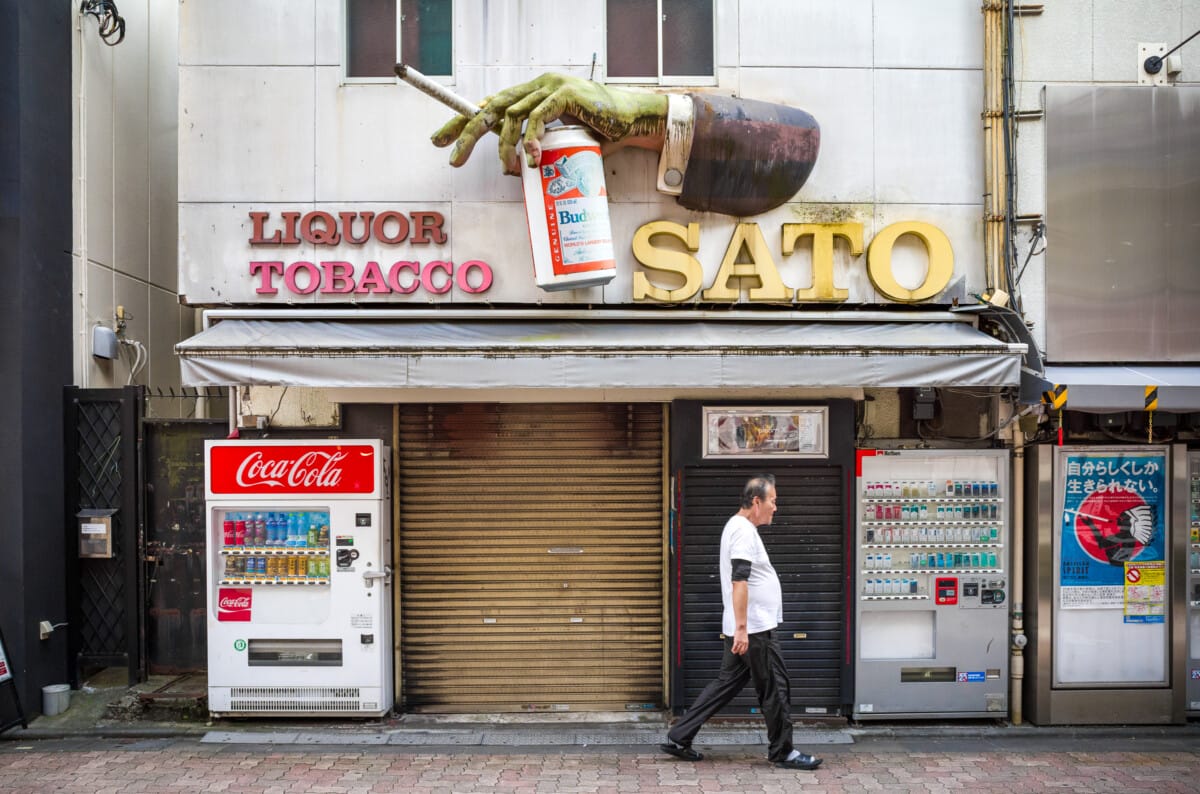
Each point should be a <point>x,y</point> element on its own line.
<point>566,206</point>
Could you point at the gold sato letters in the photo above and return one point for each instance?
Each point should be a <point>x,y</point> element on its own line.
<point>757,270</point>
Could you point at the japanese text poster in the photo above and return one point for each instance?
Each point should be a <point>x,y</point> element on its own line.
<point>1112,523</point>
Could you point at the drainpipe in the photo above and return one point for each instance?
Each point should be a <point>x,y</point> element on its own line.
<point>1016,662</point>
<point>995,170</point>
<point>995,234</point>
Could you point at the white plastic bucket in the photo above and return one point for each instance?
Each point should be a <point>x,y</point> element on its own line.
<point>566,206</point>
<point>55,699</point>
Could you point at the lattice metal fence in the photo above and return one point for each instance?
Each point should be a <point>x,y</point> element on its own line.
<point>103,473</point>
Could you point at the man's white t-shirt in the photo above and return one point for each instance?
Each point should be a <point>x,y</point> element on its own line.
<point>764,610</point>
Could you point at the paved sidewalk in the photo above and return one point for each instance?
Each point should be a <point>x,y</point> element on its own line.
<point>188,765</point>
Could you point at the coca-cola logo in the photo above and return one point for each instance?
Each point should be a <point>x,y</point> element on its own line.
<point>293,468</point>
<point>312,469</point>
<point>234,604</point>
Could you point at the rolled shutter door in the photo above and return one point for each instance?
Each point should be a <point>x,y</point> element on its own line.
<point>532,556</point>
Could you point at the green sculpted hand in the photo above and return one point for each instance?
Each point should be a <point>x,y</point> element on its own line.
<point>616,114</point>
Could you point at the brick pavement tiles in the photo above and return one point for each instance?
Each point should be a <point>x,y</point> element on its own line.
<point>1164,766</point>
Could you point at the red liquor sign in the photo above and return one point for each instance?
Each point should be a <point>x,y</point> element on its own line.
<point>292,469</point>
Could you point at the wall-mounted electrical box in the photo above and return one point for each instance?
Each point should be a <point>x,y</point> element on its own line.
<point>95,532</point>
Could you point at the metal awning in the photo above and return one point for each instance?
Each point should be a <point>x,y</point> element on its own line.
<point>1114,388</point>
<point>533,354</point>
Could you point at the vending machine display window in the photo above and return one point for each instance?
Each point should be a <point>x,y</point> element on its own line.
<point>932,591</point>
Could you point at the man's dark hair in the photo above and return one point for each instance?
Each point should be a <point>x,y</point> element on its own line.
<point>757,487</point>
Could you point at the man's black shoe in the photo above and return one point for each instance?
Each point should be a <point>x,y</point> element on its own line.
<point>802,761</point>
<point>679,751</point>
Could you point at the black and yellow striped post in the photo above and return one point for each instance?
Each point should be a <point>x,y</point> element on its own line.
<point>1151,407</point>
<point>1056,398</point>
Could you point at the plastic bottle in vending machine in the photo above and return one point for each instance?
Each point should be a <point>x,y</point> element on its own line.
<point>323,532</point>
<point>293,531</point>
<point>313,533</point>
<point>260,530</point>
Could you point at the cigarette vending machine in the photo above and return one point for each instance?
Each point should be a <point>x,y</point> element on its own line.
<point>932,589</point>
<point>299,538</point>
<point>1193,586</point>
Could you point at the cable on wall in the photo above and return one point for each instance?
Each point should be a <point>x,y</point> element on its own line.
<point>112,24</point>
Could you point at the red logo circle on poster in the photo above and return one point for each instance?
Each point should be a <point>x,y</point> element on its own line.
<point>1102,526</point>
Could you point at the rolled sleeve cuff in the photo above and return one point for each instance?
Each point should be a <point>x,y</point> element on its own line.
<point>677,146</point>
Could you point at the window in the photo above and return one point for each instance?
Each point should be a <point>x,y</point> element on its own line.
<point>661,41</point>
<point>376,40</point>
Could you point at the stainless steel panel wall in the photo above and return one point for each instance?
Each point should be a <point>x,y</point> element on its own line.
<point>1123,224</point>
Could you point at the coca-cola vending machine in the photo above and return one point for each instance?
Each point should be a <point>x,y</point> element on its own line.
<point>299,544</point>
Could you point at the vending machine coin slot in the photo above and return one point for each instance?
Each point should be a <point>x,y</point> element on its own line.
<point>947,590</point>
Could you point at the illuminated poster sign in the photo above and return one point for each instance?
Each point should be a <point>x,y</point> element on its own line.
<point>1113,527</point>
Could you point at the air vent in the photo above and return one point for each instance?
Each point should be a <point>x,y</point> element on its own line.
<point>294,699</point>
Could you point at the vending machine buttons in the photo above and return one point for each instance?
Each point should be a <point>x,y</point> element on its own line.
<point>946,589</point>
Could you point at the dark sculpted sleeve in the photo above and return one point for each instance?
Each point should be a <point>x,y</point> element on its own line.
<point>747,156</point>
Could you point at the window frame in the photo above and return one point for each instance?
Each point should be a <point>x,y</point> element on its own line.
<point>347,79</point>
<point>660,79</point>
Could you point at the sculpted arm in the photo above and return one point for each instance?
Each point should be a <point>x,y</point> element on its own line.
<point>635,118</point>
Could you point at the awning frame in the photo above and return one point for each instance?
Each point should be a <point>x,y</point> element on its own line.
<point>580,349</point>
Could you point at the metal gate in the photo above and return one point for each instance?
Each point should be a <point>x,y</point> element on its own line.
<point>103,473</point>
<point>532,556</point>
<point>805,544</point>
<point>176,621</point>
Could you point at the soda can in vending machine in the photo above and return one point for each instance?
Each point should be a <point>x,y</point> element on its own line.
<point>239,536</point>
<point>230,533</point>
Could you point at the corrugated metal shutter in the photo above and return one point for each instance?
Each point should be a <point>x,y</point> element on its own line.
<point>805,544</point>
<point>532,556</point>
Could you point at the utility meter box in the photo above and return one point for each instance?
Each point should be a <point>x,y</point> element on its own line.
<point>95,532</point>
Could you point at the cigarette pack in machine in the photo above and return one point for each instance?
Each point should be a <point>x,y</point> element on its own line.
<point>932,584</point>
<point>299,581</point>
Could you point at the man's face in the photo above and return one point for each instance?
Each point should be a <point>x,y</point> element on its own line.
<point>763,509</point>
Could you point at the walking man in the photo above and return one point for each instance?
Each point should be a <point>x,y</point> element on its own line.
<point>753,608</point>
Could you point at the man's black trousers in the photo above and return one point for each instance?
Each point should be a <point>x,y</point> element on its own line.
<point>763,663</point>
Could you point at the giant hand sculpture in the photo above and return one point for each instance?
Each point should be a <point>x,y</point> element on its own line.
<point>720,154</point>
